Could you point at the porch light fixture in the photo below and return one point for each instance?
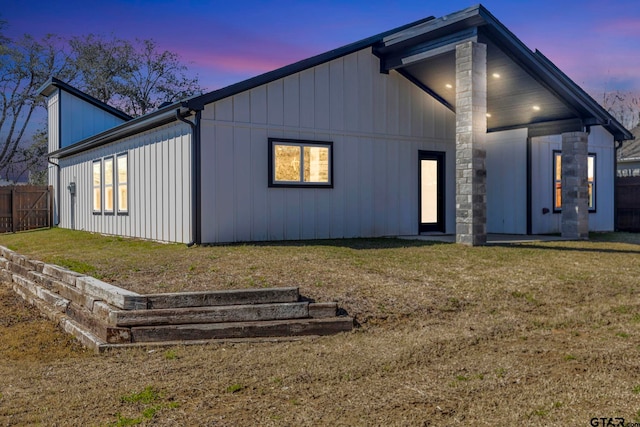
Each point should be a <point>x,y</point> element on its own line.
<point>488,115</point>
<point>536,108</point>
<point>496,75</point>
<point>449,86</point>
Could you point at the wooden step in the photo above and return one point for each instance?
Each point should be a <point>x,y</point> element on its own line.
<point>107,333</point>
<point>214,314</point>
<point>214,298</point>
<point>272,328</point>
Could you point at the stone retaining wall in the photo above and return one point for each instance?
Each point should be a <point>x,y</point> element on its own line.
<point>103,316</point>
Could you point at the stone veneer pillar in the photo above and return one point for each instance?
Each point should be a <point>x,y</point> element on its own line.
<point>575,189</point>
<point>471,129</point>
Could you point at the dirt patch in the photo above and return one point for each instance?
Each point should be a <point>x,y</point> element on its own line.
<point>538,334</point>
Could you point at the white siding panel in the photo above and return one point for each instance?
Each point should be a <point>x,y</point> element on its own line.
<point>336,94</point>
<point>350,152</point>
<point>380,187</point>
<point>275,103</point>
<point>392,185</point>
<point>350,88</point>
<point>224,110</point>
<point>307,98</point>
<point>242,107</point>
<point>602,145</point>
<point>542,184</point>
<point>377,123</point>
<point>366,69</point>
<point>159,198</point>
<point>53,114</point>
<point>322,108</point>
<point>258,105</point>
<point>292,100</point>
<point>225,185</point>
<point>259,177</point>
<point>80,119</point>
<point>242,177</point>
<point>506,165</point>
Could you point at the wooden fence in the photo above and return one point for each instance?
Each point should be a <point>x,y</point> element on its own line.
<point>25,207</point>
<point>628,201</point>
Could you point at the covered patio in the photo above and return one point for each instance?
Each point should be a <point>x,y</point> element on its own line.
<point>478,69</point>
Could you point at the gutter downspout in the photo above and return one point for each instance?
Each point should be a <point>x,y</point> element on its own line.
<point>57,222</point>
<point>195,175</point>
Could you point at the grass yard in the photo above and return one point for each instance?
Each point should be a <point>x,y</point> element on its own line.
<point>527,334</point>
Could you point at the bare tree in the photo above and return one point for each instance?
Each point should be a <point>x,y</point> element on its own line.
<point>24,66</point>
<point>134,77</point>
<point>103,66</point>
<point>624,106</point>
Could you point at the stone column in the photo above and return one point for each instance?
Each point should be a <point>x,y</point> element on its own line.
<point>471,129</point>
<point>575,189</point>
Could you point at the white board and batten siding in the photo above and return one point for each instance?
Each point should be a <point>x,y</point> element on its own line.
<point>506,166</point>
<point>159,186</point>
<point>81,119</point>
<point>377,123</point>
<point>602,145</point>
<point>53,137</point>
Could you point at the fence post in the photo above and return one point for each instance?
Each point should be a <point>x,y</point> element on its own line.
<point>50,205</point>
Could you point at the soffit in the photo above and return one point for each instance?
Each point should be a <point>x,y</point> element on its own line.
<point>524,89</point>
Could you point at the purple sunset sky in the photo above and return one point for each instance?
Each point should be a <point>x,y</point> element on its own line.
<point>596,42</point>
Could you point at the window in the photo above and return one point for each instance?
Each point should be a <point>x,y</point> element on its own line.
<point>123,200</point>
<point>294,163</point>
<point>97,186</point>
<point>557,181</point>
<point>108,185</point>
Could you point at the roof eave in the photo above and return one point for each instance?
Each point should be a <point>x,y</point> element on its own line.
<point>198,102</point>
<point>559,82</point>
<point>135,126</point>
<point>53,83</point>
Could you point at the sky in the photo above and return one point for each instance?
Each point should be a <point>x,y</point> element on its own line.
<point>595,42</point>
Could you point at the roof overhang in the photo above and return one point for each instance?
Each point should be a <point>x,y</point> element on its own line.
<point>524,88</point>
<point>54,84</point>
<point>135,126</point>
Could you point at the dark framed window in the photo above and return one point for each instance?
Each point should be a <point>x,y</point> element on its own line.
<point>300,163</point>
<point>557,181</point>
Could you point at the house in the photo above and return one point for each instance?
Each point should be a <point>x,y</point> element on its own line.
<point>629,156</point>
<point>446,125</point>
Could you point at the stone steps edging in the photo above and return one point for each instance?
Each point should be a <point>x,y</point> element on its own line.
<point>102,316</point>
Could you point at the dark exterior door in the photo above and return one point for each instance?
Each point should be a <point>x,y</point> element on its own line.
<point>431,197</point>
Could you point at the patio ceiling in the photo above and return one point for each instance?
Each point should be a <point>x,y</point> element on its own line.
<point>524,89</point>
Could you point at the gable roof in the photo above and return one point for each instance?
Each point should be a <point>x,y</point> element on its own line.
<point>425,37</point>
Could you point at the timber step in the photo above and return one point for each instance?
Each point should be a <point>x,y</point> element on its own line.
<point>268,328</point>
<point>212,314</point>
<point>103,316</point>
<point>229,297</point>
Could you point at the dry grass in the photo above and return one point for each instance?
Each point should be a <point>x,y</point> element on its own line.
<point>534,334</point>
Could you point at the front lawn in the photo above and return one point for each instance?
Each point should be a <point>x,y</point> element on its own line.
<point>536,333</point>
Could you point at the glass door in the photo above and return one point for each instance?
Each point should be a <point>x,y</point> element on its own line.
<point>431,191</point>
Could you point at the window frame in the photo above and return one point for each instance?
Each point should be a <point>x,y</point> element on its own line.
<point>302,143</point>
<point>118,184</point>
<point>94,187</point>
<point>590,182</point>
<point>105,210</point>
